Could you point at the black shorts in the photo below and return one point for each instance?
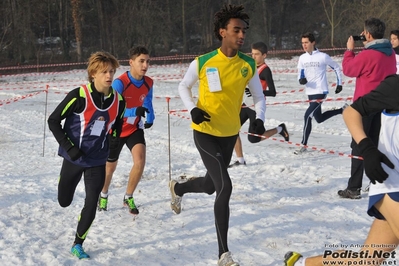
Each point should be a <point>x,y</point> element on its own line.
<point>247,113</point>
<point>136,138</point>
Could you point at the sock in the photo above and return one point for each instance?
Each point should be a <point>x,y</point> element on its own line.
<point>300,262</point>
<point>279,129</point>
<point>128,196</point>
<point>104,195</point>
<point>241,160</point>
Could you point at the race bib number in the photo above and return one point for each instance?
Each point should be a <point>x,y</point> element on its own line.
<point>97,128</point>
<point>212,75</point>
<point>130,120</point>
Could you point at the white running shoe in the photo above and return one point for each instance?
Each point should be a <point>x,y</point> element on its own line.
<point>175,203</point>
<point>301,150</point>
<point>227,260</point>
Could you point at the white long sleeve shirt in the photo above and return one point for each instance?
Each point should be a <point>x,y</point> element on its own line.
<point>313,67</point>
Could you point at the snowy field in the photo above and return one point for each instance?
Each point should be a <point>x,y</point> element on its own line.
<point>280,201</point>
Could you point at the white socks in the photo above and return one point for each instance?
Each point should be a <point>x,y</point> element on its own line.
<point>279,129</point>
<point>300,262</point>
<point>241,160</point>
<point>104,195</point>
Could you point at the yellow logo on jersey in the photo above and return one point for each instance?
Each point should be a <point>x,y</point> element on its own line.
<point>244,72</point>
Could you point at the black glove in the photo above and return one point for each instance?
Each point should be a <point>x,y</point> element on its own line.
<point>338,89</point>
<point>303,81</point>
<point>372,159</point>
<point>198,116</point>
<point>248,92</point>
<point>113,142</point>
<point>75,153</point>
<point>140,111</point>
<point>147,125</point>
<point>256,127</point>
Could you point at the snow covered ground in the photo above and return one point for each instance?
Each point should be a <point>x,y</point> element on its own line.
<point>280,201</point>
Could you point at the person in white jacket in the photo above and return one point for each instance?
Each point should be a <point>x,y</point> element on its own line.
<point>312,68</point>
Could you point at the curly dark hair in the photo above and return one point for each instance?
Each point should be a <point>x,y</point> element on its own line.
<point>223,16</point>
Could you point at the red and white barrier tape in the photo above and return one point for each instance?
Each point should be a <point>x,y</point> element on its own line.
<point>308,101</point>
<point>160,58</point>
<point>308,147</point>
<point>342,154</point>
<point>8,101</point>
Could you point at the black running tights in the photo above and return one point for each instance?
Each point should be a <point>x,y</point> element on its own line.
<point>94,181</point>
<point>216,154</point>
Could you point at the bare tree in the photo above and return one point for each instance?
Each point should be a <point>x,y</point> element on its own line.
<point>76,16</point>
<point>335,14</point>
<point>63,21</point>
<point>282,15</point>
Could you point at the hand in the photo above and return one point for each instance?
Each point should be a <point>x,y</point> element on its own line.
<point>372,159</point>
<point>338,89</point>
<point>147,125</point>
<point>257,127</point>
<point>198,116</point>
<point>350,44</point>
<point>75,153</point>
<point>248,92</point>
<point>303,81</point>
<point>140,111</point>
<point>113,142</point>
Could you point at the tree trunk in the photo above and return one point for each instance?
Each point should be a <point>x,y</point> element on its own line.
<point>63,27</point>
<point>183,19</point>
<point>76,16</point>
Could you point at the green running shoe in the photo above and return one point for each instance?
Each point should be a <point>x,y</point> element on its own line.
<point>102,204</point>
<point>129,202</point>
<point>77,251</point>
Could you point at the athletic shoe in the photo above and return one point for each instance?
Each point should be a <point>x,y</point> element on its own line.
<point>236,163</point>
<point>77,250</point>
<point>284,132</point>
<point>366,189</point>
<point>301,150</point>
<point>129,202</point>
<point>102,203</point>
<point>175,203</point>
<point>291,257</point>
<point>349,194</point>
<point>227,260</point>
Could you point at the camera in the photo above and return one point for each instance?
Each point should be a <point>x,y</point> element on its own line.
<point>359,38</point>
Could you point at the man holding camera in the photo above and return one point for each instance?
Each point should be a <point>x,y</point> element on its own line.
<point>375,62</point>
